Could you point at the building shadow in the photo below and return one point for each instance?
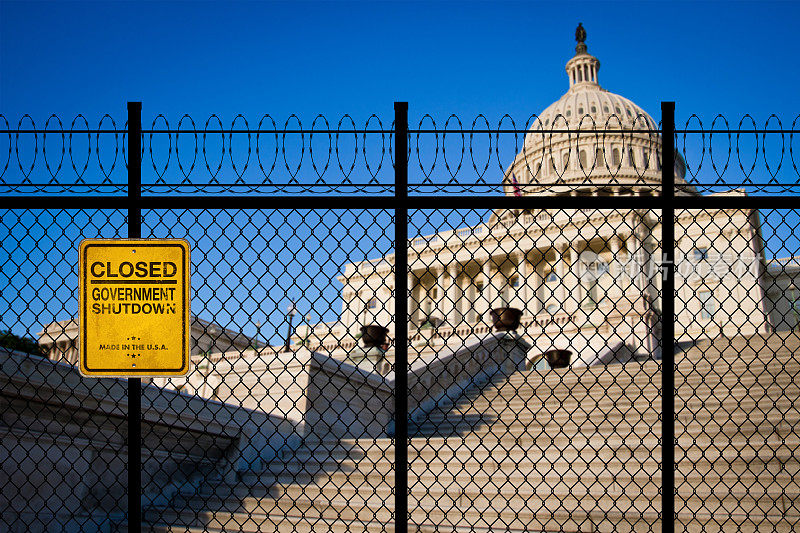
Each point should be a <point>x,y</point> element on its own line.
<point>457,418</point>
<point>290,487</point>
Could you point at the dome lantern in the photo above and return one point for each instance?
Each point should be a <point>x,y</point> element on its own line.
<point>582,68</point>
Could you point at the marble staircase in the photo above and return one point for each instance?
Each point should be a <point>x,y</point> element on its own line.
<point>555,450</point>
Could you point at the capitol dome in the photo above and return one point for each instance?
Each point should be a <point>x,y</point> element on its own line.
<point>597,162</point>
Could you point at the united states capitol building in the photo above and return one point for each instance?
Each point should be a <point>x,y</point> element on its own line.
<point>587,280</point>
<point>495,443</point>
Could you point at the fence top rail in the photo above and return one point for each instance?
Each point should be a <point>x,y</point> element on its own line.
<point>460,131</point>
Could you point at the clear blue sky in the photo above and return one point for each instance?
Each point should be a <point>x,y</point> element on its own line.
<point>443,57</point>
<point>334,58</point>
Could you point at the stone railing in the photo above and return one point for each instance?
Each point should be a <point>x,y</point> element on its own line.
<point>443,376</point>
<point>345,401</point>
<point>318,395</point>
<point>67,432</point>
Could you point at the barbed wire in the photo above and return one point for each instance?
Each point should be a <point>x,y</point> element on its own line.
<point>559,155</point>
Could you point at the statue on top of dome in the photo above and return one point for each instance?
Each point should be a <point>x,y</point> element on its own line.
<point>580,36</point>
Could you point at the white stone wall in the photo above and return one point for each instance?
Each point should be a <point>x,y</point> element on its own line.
<point>732,275</point>
<point>783,290</point>
<point>63,453</point>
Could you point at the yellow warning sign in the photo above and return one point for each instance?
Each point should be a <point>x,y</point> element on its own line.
<point>134,299</point>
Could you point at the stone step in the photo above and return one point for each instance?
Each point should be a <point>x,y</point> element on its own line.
<point>728,387</point>
<point>618,425</point>
<point>362,452</point>
<point>722,410</point>
<point>469,503</point>
<point>738,352</point>
<point>626,373</point>
<point>526,404</point>
<point>564,451</point>
<point>300,517</point>
<point>596,466</point>
<point>772,473</point>
<point>421,520</point>
<point>545,417</point>
<point>584,388</point>
<point>710,383</point>
<point>535,383</point>
<point>717,413</point>
<point>696,458</point>
<point>638,379</point>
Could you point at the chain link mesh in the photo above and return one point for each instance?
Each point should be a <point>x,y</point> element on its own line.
<point>737,308</point>
<point>537,331</point>
<point>63,449</point>
<point>554,424</point>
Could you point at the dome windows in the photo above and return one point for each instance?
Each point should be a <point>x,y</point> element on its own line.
<point>580,111</point>
<point>594,109</point>
<point>605,109</point>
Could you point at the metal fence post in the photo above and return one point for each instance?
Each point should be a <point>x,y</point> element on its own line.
<point>134,384</point>
<point>668,317</point>
<point>401,316</point>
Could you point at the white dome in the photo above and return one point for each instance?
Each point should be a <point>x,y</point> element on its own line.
<point>591,108</point>
<point>554,163</point>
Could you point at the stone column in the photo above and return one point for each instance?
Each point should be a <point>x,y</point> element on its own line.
<point>535,287</point>
<point>560,264</point>
<point>412,301</point>
<point>615,246</point>
<point>438,304</point>
<point>637,257</point>
<point>632,270</point>
<point>522,272</point>
<point>488,284</point>
<point>347,312</point>
<point>474,298</point>
<point>641,256</point>
<point>451,297</point>
<point>469,297</point>
<point>571,280</point>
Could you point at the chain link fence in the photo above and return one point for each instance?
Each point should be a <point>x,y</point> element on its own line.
<point>496,332</point>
